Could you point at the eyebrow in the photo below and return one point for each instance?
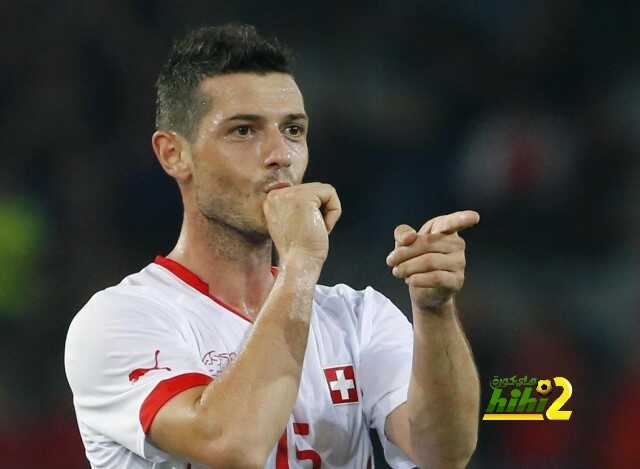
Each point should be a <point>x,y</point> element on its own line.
<point>256,117</point>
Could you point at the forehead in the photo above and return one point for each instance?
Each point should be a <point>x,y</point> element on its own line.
<point>247,93</point>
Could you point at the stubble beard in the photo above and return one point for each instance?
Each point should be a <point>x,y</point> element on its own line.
<point>226,219</point>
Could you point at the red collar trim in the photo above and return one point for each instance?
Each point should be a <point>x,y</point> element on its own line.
<point>196,282</point>
<point>183,274</point>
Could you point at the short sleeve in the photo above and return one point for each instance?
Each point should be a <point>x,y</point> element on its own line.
<point>125,357</point>
<point>385,366</point>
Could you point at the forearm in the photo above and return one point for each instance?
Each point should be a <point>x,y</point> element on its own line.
<point>251,402</point>
<point>443,401</point>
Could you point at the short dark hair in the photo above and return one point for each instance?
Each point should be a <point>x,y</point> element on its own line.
<point>204,53</point>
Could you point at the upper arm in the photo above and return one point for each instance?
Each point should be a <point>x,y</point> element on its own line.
<point>176,428</point>
<point>125,361</point>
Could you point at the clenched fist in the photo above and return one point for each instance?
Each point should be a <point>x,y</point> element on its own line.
<point>300,218</point>
<point>432,261</point>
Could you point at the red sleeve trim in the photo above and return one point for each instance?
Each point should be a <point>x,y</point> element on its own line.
<point>164,391</point>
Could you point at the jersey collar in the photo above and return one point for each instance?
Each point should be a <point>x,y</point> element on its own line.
<point>196,282</point>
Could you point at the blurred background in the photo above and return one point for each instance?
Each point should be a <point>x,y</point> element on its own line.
<point>528,112</point>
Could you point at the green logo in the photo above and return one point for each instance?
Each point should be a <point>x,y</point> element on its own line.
<point>524,398</point>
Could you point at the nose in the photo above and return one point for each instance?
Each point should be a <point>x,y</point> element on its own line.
<point>277,151</point>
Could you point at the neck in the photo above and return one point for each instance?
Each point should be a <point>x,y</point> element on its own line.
<point>236,268</point>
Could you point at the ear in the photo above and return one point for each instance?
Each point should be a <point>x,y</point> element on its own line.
<point>173,153</point>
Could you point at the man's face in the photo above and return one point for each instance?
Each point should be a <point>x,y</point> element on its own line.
<point>254,135</point>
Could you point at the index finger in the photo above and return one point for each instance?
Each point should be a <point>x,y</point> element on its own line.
<point>329,205</point>
<point>452,223</point>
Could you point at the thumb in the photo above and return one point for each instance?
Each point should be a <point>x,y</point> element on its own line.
<point>404,235</point>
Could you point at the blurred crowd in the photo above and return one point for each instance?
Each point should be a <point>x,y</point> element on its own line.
<point>528,112</point>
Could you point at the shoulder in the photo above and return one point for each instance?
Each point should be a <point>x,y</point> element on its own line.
<point>343,297</point>
<point>137,303</point>
<point>136,295</point>
<point>368,309</point>
<point>349,308</point>
<point>114,323</point>
<point>366,314</point>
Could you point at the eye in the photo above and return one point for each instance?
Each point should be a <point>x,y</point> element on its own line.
<point>242,131</point>
<point>294,131</point>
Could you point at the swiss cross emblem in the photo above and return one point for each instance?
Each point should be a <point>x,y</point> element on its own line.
<point>342,384</point>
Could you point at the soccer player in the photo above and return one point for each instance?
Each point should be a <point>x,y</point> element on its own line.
<point>211,357</point>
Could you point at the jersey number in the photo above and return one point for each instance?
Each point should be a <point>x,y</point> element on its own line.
<point>282,456</point>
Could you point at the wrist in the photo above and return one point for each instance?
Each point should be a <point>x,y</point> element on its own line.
<point>427,320</point>
<point>301,261</point>
<point>300,267</point>
<point>446,308</point>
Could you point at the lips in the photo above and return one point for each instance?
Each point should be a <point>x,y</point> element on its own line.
<point>277,185</point>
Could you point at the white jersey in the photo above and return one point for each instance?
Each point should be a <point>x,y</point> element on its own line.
<point>159,332</point>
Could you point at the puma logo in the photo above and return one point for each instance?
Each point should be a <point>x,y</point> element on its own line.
<point>136,374</point>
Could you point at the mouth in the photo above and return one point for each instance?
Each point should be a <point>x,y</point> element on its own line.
<point>276,185</point>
